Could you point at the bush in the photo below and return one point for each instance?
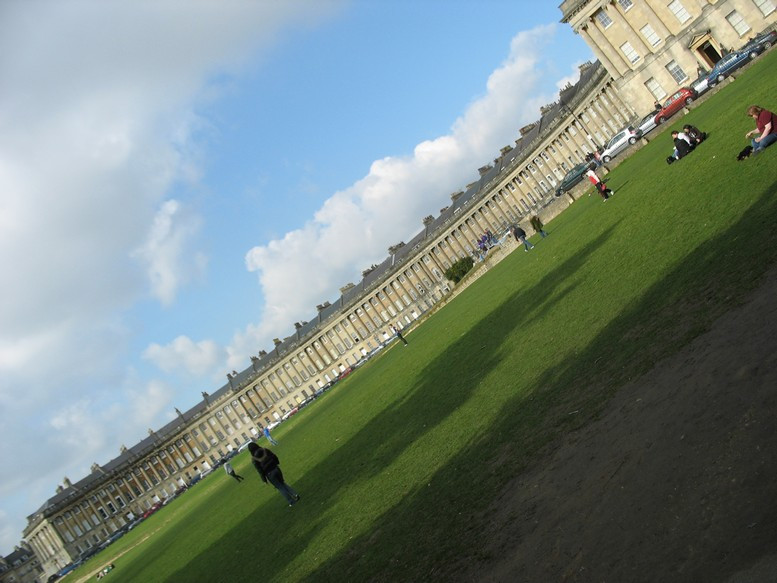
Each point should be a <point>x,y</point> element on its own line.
<point>459,269</point>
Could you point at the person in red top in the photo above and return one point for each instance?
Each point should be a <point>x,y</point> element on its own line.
<point>601,187</point>
<point>766,127</point>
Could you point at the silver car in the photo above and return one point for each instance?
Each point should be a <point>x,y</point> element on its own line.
<point>647,124</point>
<point>619,142</point>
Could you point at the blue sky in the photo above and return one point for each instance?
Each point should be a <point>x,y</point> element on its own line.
<point>180,182</point>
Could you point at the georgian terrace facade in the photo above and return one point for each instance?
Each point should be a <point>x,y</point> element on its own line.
<point>651,48</point>
<point>520,182</point>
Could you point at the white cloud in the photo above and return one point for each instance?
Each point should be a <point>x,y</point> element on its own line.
<point>185,355</point>
<point>165,252</point>
<point>354,227</point>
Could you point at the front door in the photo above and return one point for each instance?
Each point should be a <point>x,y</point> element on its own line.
<point>709,53</point>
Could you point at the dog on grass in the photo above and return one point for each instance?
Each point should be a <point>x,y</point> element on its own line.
<point>745,153</point>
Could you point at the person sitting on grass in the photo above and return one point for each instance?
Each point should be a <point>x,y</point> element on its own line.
<point>765,133</point>
<point>682,145</point>
<point>695,135</point>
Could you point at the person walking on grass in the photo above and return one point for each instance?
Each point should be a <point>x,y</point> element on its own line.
<point>266,432</point>
<point>537,225</point>
<point>520,236</point>
<point>399,334</point>
<point>601,187</point>
<point>269,468</point>
<point>231,472</point>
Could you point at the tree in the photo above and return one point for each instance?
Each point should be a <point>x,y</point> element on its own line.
<point>458,270</point>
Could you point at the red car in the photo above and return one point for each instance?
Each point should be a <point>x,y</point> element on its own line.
<point>675,103</point>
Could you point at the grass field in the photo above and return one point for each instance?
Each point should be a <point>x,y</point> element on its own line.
<point>397,465</point>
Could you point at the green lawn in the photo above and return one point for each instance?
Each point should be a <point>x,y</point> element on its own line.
<point>396,465</point>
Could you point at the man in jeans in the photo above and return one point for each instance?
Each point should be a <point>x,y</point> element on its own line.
<point>520,236</point>
<point>268,466</point>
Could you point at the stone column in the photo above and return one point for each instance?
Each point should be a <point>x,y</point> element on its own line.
<point>654,18</point>
<point>618,65</point>
<point>618,17</point>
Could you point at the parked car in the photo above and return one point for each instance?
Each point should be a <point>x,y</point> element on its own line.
<point>619,142</point>
<point>156,506</point>
<point>730,63</point>
<point>675,103</point>
<point>289,413</point>
<point>572,178</point>
<point>700,85</point>
<point>647,124</point>
<point>761,42</point>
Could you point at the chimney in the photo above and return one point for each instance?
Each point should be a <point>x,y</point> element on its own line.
<point>546,108</point>
<point>297,325</point>
<point>483,169</point>
<point>205,396</point>
<point>66,482</point>
<point>277,341</point>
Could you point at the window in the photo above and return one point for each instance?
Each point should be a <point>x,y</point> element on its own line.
<point>626,4</point>
<point>738,23</point>
<point>630,53</point>
<point>603,19</point>
<point>677,73</point>
<point>765,6</point>
<point>655,89</point>
<point>650,34</point>
<point>679,11</point>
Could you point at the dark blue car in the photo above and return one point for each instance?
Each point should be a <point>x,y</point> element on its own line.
<point>731,62</point>
<point>572,178</point>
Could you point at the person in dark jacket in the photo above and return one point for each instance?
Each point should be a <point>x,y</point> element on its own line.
<point>695,134</point>
<point>681,146</point>
<point>537,225</point>
<point>268,466</point>
<point>520,236</point>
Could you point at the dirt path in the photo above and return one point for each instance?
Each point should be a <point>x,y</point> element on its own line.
<point>676,481</point>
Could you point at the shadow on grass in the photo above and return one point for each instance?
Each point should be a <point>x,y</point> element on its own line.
<point>435,529</point>
<point>443,385</point>
<point>432,527</point>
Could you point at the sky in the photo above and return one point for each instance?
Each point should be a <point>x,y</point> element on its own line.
<point>180,182</point>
